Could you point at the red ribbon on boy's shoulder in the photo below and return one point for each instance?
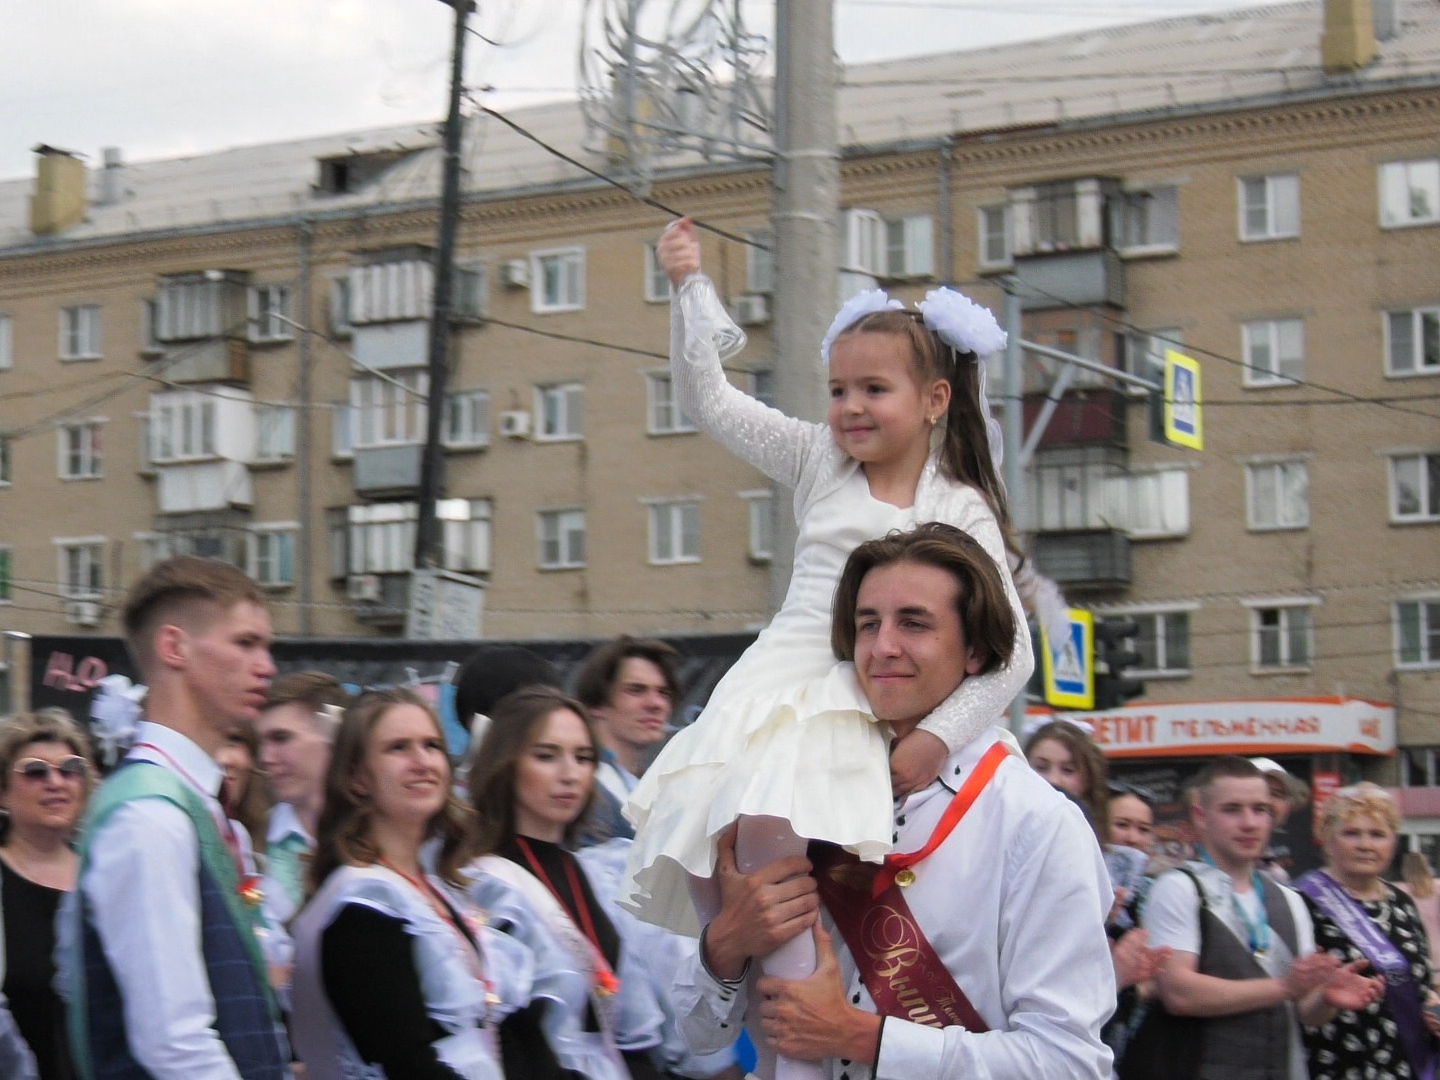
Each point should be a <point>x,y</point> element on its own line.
<point>900,968</point>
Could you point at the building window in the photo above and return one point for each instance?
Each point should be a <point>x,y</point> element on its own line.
<point>561,412</point>
<point>1278,494</point>
<point>1282,637</point>
<point>1145,221</point>
<point>465,534</point>
<point>1055,217</point>
<point>1419,766</point>
<point>472,292</point>
<point>1415,487</point>
<point>80,332</point>
<point>150,328</point>
<point>994,233</point>
<point>182,428</point>
<point>80,451</point>
<point>342,431</point>
<point>1270,207</point>
<point>664,412</point>
<point>562,539</point>
<point>1274,352</point>
<point>389,411</point>
<point>340,325</point>
<point>397,287</point>
<point>1417,633</point>
<point>557,280</point>
<point>762,524</point>
<point>467,419</point>
<point>7,343</point>
<point>910,247</point>
<point>658,289</point>
<point>1412,341</point>
<point>7,573</point>
<point>82,568</point>
<point>1163,642</point>
<point>274,433</point>
<point>6,473</point>
<point>381,538</point>
<point>864,240</point>
<point>272,554</point>
<point>760,262</point>
<point>1145,353</point>
<point>674,532</point>
<point>1409,193</point>
<point>269,312</point>
<point>761,385</point>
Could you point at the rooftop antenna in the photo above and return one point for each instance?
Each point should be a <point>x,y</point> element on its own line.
<point>663,77</point>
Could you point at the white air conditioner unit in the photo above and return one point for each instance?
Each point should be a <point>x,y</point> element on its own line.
<point>515,424</point>
<point>82,613</point>
<point>363,587</point>
<point>515,273</point>
<point>752,309</point>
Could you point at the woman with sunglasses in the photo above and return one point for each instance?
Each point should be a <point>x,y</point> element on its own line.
<point>44,782</point>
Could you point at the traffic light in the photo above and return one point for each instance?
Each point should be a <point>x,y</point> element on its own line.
<point>1112,658</point>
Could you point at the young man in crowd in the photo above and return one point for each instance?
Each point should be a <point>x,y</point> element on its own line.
<point>630,685</point>
<point>981,951</point>
<point>1254,970</point>
<point>165,975</point>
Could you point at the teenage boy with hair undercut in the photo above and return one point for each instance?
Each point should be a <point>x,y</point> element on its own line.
<point>166,977</point>
<point>1243,958</point>
<point>994,961</point>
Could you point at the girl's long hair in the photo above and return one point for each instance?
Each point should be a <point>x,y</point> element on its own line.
<point>342,837</point>
<point>517,720</point>
<point>965,452</point>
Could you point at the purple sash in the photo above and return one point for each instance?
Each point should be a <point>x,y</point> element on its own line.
<point>1402,994</point>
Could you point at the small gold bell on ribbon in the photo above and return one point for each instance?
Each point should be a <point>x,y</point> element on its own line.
<point>905,878</point>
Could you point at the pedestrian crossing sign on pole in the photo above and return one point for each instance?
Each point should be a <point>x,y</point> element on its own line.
<point>1069,666</point>
<point>1183,426</point>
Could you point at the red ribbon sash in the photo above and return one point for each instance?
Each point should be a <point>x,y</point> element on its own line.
<point>900,968</point>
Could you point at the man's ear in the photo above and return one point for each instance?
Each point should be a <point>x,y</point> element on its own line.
<point>976,661</point>
<point>171,646</point>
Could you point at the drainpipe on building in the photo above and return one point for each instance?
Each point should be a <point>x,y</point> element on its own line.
<point>946,211</point>
<point>303,440</point>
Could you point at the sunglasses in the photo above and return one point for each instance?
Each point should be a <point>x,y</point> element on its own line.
<point>34,768</point>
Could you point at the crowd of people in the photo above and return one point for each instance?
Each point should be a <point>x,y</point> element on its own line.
<point>845,867</point>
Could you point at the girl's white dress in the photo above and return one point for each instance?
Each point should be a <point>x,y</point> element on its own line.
<point>787,732</point>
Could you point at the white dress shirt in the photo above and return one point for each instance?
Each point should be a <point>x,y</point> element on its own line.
<point>1014,902</point>
<point>142,887</point>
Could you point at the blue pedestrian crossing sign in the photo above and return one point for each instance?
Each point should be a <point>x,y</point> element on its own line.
<point>1069,665</point>
<point>1183,425</point>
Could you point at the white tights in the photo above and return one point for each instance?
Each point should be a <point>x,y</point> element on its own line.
<point>759,842</point>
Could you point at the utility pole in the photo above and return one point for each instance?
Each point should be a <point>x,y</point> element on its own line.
<point>428,538</point>
<point>1014,440</point>
<point>805,217</point>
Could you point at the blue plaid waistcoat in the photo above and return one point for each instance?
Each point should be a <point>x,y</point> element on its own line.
<point>245,1013</point>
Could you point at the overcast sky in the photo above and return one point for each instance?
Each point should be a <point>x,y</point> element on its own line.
<point>165,78</point>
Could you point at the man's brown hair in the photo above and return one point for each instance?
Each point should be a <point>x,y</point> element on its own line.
<point>312,689</point>
<point>602,667</point>
<point>173,589</point>
<point>1228,767</point>
<point>985,614</point>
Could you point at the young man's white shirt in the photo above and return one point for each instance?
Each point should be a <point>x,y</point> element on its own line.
<point>1172,917</point>
<point>142,886</point>
<point>1014,902</point>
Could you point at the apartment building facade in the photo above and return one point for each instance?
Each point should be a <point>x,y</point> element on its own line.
<point>226,356</point>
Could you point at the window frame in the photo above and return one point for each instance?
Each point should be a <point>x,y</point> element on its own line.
<point>761,510</point>
<point>413,410</point>
<point>474,409</point>
<point>1425,457</point>
<point>177,416</point>
<point>1253,377</point>
<point>282,429</point>
<point>1270,231</point>
<point>7,341</point>
<point>393,523</point>
<point>476,531</point>
<point>561,538</point>
<point>1417,341</point>
<point>567,392</point>
<point>1410,222</point>
<point>760,262</point>
<point>653,276</point>
<point>267,304</point>
<point>676,510</point>
<point>1422,601</point>
<point>472,282</point>
<point>90,332</point>
<point>917,259</point>
<point>1284,630</point>
<point>95,564</point>
<point>339,306</point>
<point>983,234</point>
<point>91,455</point>
<point>1140,204</point>
<point>7,573</point>
<point>1158,612</point>
<point>539,305</point>
<point>678,423</point>
<point>1278,463</point>
<point>7,463</point>
<point>260,533</point>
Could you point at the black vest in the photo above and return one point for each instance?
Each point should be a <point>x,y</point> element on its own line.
<point>1252,1045</point>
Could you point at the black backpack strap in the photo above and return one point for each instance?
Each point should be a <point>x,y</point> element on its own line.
<point>1204,902</point>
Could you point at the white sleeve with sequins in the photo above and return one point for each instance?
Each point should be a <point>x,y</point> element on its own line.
<point>981,700</point>
<point>776,444</point>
